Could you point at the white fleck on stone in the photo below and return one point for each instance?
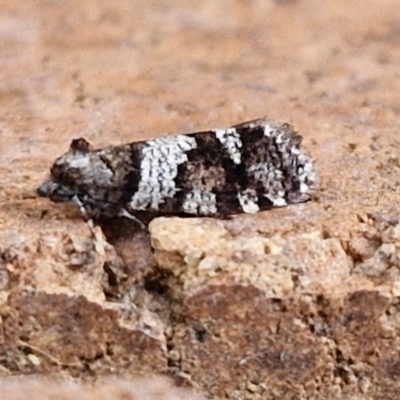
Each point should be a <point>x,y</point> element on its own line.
<point>230,139</point>
<point>35,360</point>
<point>248,201</point>
<point>159,168</point>
<point>199,202</point>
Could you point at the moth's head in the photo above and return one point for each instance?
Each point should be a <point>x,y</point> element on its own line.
<point>69,173</point>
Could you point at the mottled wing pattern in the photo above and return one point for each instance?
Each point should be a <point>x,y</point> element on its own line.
<point>245,168</point>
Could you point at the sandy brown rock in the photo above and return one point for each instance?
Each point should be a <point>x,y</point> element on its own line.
<point>37,388</point>
<point>259,315</point>
<point>252,308</point>
<point>54,310</point>
<point>300,302</point>
<point>276,264</point>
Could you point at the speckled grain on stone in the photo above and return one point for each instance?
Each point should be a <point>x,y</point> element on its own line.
<point>276,265</point>
<point>39,388</point>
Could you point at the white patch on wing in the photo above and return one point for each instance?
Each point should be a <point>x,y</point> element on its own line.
<point>278,201</point>
<point>248,201</point>
<point>159,168</point>
<point>272,180</point>
<point>264,171</point>
<point>74,160</point>
<point>269,129</point>
<point>306,174</point>
<point>200,203</point>
<point>230,139</point>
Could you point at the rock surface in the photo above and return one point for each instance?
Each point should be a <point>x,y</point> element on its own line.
<point>119,389</point>
<point>300,302</point>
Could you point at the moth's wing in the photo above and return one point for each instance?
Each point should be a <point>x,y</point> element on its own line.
<point>268,174</point>
<point>211,181</point>
<point>209,177</point>
<point>189,174</point>
<point>254,123</point>
<point>265,122</point>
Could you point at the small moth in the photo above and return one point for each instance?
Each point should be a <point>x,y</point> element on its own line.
<point>246,168</point>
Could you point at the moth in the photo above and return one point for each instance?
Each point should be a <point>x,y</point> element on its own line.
<point>254,166</point>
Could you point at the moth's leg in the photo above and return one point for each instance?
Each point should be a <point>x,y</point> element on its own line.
<point>84,214</point>
<point>125,213</point>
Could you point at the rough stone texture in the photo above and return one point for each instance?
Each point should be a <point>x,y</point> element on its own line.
<point>267,314</point>
<point>118,389</point>
<point>54,309</point>
<point>300,302</point>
